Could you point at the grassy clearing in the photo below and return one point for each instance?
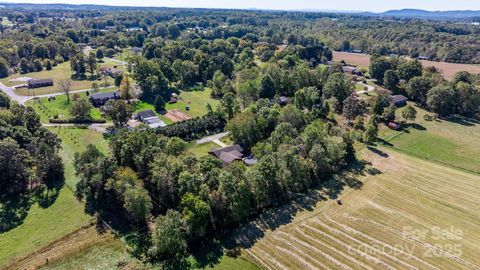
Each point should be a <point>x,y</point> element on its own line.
<point>60,107</point>
<point>60,72</point>
<point>42,226</point>
<point>197,100</point>
<point>105,255</point>
<point>393,221</point>
<point>75,140</point>
<point>6,22</point>
<point>201,149</point>
<point>454,143</point>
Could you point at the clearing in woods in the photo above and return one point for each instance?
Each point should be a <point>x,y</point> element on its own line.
<point>408,214</point>
<point>448,69</point>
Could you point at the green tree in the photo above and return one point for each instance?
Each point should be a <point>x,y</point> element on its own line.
<point>307,98</point>
<point>91,63</point>
<point>168,237</point>
<point>48,64</point>
<point>267,87</point>
<point>378,67</point>
<point>4,100</point>
<point>80,109</point>
<point>229,105</point>
<point>409,113</point>
<point>371,130</point>
<point>15,168</point>
<point>410,69</point>
<point>118,111</point>
<point>338,87</point>
<point>417,89</point>
<point>195,213</point>
<point>137,203</point>
<point>37,65</point>
<point>441,99</point>
<point>99,54</point>
<point>159,104</point>
<point>353,107</point>
<point>391,79</point>
<point>24,66</point>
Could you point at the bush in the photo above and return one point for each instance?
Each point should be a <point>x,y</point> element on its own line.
<point>194,128</point>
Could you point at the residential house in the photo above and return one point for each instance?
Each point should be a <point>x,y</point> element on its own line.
<point>398,100</point>
<point>149,118</point>
<point>99,99</point>
<point>228,154</point>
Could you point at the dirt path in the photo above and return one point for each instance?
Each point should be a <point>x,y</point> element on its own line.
<point>69,244</point>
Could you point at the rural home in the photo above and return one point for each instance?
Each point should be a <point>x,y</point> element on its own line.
<point>398,100</point>
<point>34,83</point>
<point>228,154</point>
<point>99,99</point>
<point>150,118</point>
<point>351,70</point>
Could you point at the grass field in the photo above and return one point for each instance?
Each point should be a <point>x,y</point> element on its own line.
<point>197,100</point>
<point>454,143</point>
<point>42,226</point>
<point>410,214</point>
<point>5,22</point>
<point>201,149</point>
<point>448,69</point>
<point>60,72</point>
<point>60,107</point>
<point>75,140</point>
<point>104,255</point>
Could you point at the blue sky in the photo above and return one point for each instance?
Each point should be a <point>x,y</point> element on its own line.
<point>360,5</point>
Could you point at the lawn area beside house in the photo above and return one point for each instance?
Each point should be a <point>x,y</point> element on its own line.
<point>197,100</point>
<point>201,149</point>
<point>60,106</point>
<point>58,73</point>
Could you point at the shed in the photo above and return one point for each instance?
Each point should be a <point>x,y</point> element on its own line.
<point>34,83</point>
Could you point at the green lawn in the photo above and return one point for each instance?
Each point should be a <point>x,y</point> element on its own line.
<point>197,100</point>
<point>107,255</point>
<point>75,140</point>
<point>42,226</point>
<point>59,107</point>
<point>229,263</point>
<point>5,21</point>
<point>447,142</point>
<point>60,72</point>
<point>201,149</point>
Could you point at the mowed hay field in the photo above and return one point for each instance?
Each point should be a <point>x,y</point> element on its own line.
<point>448,69</point>
<point>392,222</point>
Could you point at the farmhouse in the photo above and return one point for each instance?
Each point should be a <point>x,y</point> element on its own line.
<point>150,118</point>
<point>99,99</point>
<point>33,83</point>
<point>398,100</point>
<point>228,154</point>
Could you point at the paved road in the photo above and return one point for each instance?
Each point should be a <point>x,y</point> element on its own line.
<point>22,99</point>
<point>369,88</point>
<point>213,138</point>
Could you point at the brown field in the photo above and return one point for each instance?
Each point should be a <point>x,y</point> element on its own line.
<point>448,69</point>
<point>408,214</point>
<point>177,115</point>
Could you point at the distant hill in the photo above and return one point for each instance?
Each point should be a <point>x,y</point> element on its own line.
<point>418,13</point>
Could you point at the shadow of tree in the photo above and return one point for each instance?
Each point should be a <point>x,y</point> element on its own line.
<point>462,120</point>
<point>13,212</point>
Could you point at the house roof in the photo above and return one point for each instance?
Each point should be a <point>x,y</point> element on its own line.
<point>398,98</point>
<point>146,114</point>
<point>228,154</point>
<point>107,95</point>
<point>40,81</point>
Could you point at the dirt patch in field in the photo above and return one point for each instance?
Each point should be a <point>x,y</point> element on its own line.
<point>448,70</point>
<point>177,115</point>
<point>67,245</point>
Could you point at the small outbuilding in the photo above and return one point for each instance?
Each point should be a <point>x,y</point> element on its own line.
<point>34,83</point>
<point>150,118</point>
<point>398,100</point>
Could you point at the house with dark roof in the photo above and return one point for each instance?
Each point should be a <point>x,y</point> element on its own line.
<point>99,99</point>
<point>34,83</point>
<point>150,118</point>
<point>398,100</point>
<point>228,154</point>
<point>352,70</point>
